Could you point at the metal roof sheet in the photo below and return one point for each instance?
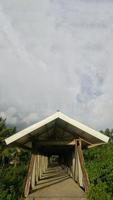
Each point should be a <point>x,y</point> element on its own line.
<point>70,125</point>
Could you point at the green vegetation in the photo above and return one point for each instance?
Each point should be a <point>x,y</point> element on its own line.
<point>99,164</point>
<point>12,167</point>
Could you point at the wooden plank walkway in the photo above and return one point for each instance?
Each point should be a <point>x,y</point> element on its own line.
<point>55,184</point>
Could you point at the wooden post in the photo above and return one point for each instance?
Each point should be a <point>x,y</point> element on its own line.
<point>37,169</point>
<point>81,159</point>
<point>70,167</point>
<point>73,164</point>
<point>33,174</point>
<point>29,176</point>
<point>46,162</point>
<point>40,166</point>
<point>43,163</point>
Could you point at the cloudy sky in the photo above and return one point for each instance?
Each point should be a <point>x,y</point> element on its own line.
<point>56,55</point>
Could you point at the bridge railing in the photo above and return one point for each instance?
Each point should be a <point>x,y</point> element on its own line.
<point>37,166</point>
<point>73,165</point>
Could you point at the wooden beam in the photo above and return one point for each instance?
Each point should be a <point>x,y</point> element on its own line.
<point>73,164</point>
<point>87,142</point>
<point>71,133</point>
<point>32,137</point>
<point>81,159</point>
<point>36,169</point>
<point>40,166</point>
<point>33,174</point>
<point>23,146</point>
<point>75,154</point>
<point>95,145</point>
<point>44,132</point>
<point>28,177</point>
<point>57,143</point>
<point>64,129</point>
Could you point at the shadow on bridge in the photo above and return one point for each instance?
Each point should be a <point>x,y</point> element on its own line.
<point>56,184</point>
<point>57,171</point>
<point>52,176</point>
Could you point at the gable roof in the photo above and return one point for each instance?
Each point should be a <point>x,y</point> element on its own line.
<point>62,122</point>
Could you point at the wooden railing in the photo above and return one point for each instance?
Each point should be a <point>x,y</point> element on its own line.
<point>75,168</point>
<point>37,166</point>
<point>29,176</point>
<point>82,164</point>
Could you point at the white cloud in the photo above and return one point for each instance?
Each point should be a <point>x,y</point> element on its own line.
<point>56,55</point>
<point>32,117</point>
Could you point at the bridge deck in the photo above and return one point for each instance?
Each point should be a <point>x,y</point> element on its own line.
<point>57,185</point>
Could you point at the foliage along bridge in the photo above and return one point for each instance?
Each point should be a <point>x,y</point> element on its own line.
<point>56,168</point>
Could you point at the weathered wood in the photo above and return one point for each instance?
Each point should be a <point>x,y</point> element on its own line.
<point>77,168</point>
<point>37,170</point>
<point>73,164</point>
<point>81,159</point>
<point>44,164</point>
<point>23,146</point>
<point>33,174</point>
<point>69,166</point>
<point>29,175</point>
<point>40,166</point>
<point>85,141</point>
<point>95,145</point>
<point>65,187</point>
<point>48,143</point>
<point>75,154</point>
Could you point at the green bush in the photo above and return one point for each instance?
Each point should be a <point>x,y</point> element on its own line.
<point>11,181</point>
<point>99,164</point>
<point>99,192</point>
<point>13,167</point>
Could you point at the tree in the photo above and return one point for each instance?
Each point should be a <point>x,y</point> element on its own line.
<point>13,166</point>
<point>109,133</point>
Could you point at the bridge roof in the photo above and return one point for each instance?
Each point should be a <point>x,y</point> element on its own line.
<point>59,127</point>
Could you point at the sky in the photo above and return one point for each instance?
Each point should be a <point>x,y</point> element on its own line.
<point>56,55</point>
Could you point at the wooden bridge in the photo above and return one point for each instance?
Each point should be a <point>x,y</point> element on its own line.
<point>56,184</point>
<point>56,170</point>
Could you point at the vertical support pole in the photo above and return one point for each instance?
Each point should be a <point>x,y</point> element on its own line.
<point>73,164</point>
<point>70,166</point>
<point>36,172</point>
<point>75,161</point>
<point>33,174</point>
<point>81,163</point>
<point>29,176</point>
<point>76,170</point>
<point>33,178</point>
<point>40,166</point>
<point>44,164</point>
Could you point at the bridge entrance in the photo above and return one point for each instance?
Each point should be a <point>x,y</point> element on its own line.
<point>56,184</point>
<point>53,162</point>
<point>57,165</point>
